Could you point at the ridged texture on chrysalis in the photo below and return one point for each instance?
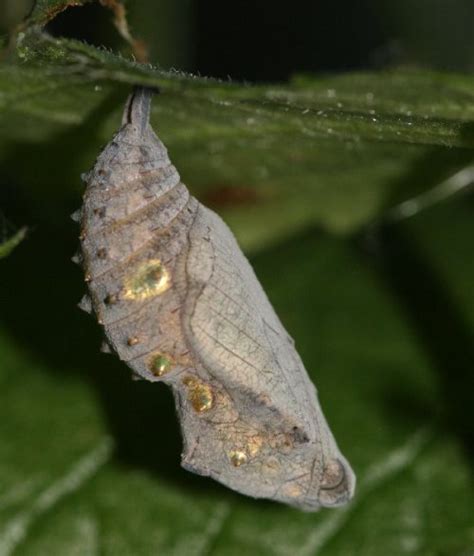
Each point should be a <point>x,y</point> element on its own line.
<point>180,303</point>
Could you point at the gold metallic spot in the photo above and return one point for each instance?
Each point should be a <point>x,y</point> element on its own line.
<point>160,364</point>
<point>149,280</point>
<point>133,341</point>
<point>237,458</point>
<point>199,394</point>
<point>254,445</point>
<point>292,490</point>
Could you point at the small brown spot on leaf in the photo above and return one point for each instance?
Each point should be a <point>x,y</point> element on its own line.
<point>231,196</point>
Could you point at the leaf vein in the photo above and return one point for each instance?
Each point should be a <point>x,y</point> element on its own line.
<point>16,530</point>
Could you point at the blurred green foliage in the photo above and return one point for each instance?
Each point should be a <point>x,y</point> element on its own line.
<point>7,245</point>
<point>307,173</point>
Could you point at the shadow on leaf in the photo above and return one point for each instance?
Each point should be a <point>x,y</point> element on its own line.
<point>436,319</point>
<point>42,316</point>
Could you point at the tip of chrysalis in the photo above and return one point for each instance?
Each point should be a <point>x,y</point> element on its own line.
<point>137,108</point>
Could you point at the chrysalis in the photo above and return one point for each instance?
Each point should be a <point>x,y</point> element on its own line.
<point>180,303</point>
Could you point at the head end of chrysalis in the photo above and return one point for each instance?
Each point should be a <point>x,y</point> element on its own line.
<point>337,483</point>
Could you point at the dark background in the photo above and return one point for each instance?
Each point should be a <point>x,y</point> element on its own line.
<point>268,40</point>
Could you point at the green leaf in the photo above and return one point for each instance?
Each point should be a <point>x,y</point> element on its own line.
<point>428,108</point>
<point>7,246</point>
<point>63,490</point>
<point>273,159</point>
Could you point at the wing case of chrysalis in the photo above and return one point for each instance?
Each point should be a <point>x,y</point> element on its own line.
<point>180,303</point>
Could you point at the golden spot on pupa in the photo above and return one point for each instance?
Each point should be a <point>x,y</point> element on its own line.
<point>254,445</point>
<point>160,364</point>
<point>133,341</point>
<point>149,280</point>
<point>199,394</point>
<point>292,490</point>
<point>237,458</point>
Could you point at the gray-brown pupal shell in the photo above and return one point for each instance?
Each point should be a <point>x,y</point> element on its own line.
<point>180,303</point>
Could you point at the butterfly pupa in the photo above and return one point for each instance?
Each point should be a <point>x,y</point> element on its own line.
<point>180,303</point>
